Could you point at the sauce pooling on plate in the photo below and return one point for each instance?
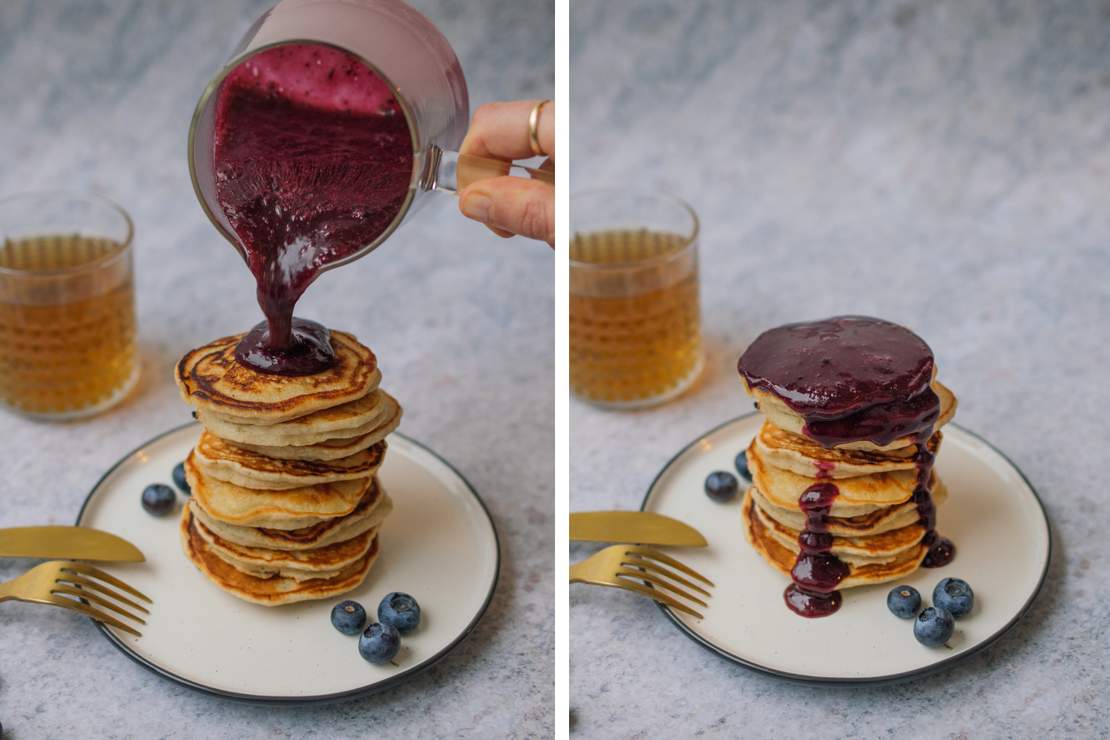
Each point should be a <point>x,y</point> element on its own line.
<point>850,378</point>
<point>313,160</point>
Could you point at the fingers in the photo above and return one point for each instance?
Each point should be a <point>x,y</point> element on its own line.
<point>512,205</point>
<point>500,130</point>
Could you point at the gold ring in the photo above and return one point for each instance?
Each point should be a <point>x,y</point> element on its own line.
<point>534,128</point>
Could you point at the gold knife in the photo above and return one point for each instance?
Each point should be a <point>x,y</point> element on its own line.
<point>66,543</point>
<point>633,527</point>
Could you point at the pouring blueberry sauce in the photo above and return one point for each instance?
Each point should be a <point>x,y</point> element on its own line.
<point>313,160</point>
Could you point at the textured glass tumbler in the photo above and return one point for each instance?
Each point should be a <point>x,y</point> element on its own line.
<point>635,321</point>
<point>67,305</point>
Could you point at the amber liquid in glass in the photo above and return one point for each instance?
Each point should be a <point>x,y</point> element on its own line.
<point>634,324</point>
<point>67,337</point>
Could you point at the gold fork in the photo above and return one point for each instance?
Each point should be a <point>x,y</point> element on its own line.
<point>628,566</point>
<point>52,582</point>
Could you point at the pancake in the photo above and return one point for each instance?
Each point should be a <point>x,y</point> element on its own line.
<point>785,418</point>
<point>801,455</point>
<point>212,380</point>
<point>300,565</point>
<point>859,574</point>
<point>334,448</point>
<point>879,548</point>
<point>224,461</point>
<point>871,523</point>
<point>357,418</point>
<point>374,507</point>
<point>273,591</point>
<point>857,495</point>
<point>292,508</point>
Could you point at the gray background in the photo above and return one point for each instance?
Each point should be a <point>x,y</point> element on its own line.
<point>99,94</point>
<point>942,164</point>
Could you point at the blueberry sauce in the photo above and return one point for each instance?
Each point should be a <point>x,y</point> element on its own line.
<point>851,378</point>
<point>313,160</point>
<point>941,549</point>
<point>816,572</point>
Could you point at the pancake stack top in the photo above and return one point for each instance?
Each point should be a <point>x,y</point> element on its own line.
<point>286,504</point>
<point>843,491</point>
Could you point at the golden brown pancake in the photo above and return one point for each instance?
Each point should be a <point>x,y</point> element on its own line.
<point>300,565</point>
<point>858,495</point>
<point>371,511</point>
<point>377,411</point>
<point>883,547</point>
<point>212,380</point>
<point>220,459</point>
<point>273,591</point>
<point>873,522</point>
<point>782,558</point>
<point>291,508</point>
<point>778,413</point>
<point>802,455</point>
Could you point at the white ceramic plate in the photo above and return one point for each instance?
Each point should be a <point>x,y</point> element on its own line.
<point>439,545</point>
<point>992,514</point>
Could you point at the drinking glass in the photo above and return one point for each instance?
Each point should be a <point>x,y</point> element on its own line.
<point>635,322</point>
<point>67,306</point>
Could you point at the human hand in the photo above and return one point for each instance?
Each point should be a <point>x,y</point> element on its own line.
<point>511,206</point>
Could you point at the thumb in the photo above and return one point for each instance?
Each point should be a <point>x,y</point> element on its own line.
<point>514,204</point>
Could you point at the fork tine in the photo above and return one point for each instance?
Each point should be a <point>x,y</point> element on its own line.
<point>659,582</point>
<point>654,554</point>
<point>94,586</point>
<point>88,594</point>
<point>657,595</point>
<point>88,611</point>
<point>98,573</point>
<point>639,562</point>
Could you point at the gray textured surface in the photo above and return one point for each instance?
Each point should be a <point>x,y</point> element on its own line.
<point>941,164</point>
<point>99,94</point>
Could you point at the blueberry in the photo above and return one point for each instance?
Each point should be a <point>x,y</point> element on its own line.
<point>179,478</point>
<point>903,601</point>
<point>348,617</point>
<point>742,465</point>
<point>954,595</point>
<point>933,626</point>
<point>159,499</point>
<point>721,486</point>
<point>379,643</point>
<point>400,611</point>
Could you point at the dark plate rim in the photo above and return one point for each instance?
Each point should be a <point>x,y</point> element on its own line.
<point>856,682</point>
<point>369,689</point>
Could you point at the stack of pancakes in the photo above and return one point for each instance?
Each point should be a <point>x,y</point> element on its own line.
<point>874,523</point>
<point>286,504</point>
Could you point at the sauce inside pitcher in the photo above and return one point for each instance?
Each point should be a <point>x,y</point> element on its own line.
<point>313,160</point>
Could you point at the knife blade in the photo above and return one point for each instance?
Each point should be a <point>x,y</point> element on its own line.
<point>633,527</point>
<point>69,543</point>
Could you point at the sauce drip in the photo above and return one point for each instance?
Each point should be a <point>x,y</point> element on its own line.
<point>816,572</point>
<point>313,160</point>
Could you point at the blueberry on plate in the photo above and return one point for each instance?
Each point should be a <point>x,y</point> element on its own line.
<point>721,486</point>
<point>400,611</point>
<point>954,595</point>
<point>742,465</point>
<point>179,478</point>
<point>933,626</point>
<point>903,601</point>
<point>159,499</point>
<point>348,617</point>
<point>379,643</point>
